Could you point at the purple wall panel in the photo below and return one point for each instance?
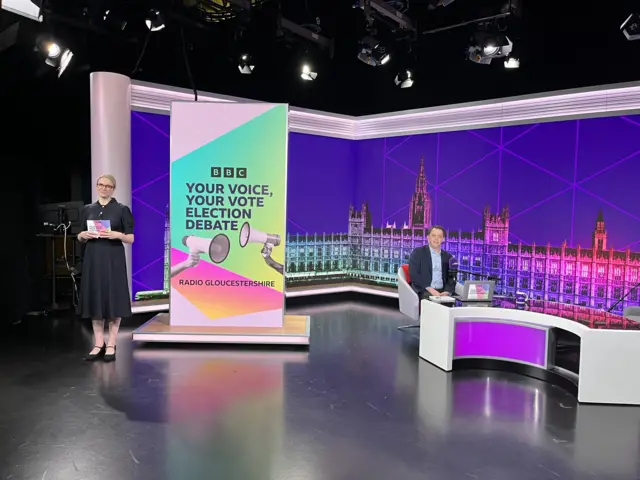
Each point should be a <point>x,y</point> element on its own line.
<point>320,188</point>
<point>150,197</point>
<point>555,178</point>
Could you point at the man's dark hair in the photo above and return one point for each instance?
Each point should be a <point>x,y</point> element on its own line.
<point>437,227</point>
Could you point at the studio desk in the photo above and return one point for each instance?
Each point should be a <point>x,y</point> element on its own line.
<point>524,340</point>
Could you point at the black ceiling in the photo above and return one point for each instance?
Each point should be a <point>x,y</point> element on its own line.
<point>562,44</point>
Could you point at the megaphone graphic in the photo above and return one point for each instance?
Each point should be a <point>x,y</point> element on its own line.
<point>251,235</point>
<point>268,240</point>
<point>217,248</point>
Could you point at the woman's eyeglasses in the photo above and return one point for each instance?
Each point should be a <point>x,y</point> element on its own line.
<point>106,187</point>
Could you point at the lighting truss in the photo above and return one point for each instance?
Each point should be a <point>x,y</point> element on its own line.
<point>386,12</point>
<point>215,11</point>
<point>311,36</point>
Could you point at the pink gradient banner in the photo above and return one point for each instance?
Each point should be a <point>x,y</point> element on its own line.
<point>225,299</point>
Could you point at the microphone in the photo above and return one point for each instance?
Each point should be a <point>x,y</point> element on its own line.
<point>453,267</point>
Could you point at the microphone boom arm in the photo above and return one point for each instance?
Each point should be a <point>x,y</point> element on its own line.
<point>491,278</point>
<point>623,297</point>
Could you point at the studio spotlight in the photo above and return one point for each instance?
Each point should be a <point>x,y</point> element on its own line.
<point>489,46</point>
<point>373,53</point>
<point>55,55</point>
<point>52,50</point>
<point>512,63</point>
<point>404,79</point>
<point>154,21</point>
<point>308,74</point>
<point>631,27</point>
<point>245,64</point>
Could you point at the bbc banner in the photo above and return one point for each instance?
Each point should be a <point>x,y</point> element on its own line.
<point>228,214</point>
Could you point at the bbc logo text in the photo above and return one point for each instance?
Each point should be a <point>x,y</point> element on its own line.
<point>228,172</point>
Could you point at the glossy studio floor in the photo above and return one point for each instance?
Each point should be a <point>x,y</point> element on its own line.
<point>357,405</point>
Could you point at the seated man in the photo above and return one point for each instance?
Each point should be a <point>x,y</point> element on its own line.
<point>429,267</point>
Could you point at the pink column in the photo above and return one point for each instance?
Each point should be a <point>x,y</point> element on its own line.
<point>111,135</point>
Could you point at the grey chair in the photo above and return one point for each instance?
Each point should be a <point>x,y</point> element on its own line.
<point>632,313</point>
<point>408,299</point>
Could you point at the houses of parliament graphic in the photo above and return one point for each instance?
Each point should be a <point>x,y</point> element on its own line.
<point>592,276</point>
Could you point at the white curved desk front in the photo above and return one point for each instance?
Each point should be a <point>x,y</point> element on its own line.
<point>609,359</point>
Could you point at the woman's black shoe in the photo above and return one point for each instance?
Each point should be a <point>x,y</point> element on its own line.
<point>110,357</point>
<point>96,356</point>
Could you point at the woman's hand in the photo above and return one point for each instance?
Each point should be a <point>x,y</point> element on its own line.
<point>84,236</point>
<point>112,235</point>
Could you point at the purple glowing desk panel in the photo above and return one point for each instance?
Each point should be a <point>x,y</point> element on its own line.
<point>501,340</point>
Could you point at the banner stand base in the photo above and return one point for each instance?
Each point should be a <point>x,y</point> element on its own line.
<point>295,331</point>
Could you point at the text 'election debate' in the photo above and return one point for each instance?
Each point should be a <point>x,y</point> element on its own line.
<point>220,206</point>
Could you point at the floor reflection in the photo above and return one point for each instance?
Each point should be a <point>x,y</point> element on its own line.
<point>224,410</point>
<point>594,441</point>
<point>358,405</point>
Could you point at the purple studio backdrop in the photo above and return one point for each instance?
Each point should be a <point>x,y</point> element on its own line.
<point>528,202</point>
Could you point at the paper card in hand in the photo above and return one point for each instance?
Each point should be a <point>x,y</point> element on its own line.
<point>99,226</point>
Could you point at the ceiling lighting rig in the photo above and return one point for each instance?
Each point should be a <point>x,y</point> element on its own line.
<point>311,35</point>
<point>631,27</point>
<point>55,54</point>
<point>371,50</point>
<point>215,11</point>
<point>391,13</point>
<point>404,79</point>
<point>155,21</point>
<point>433,4</point>
<point>489,40</point>
<point>488,45</point>
<point>375,51</point>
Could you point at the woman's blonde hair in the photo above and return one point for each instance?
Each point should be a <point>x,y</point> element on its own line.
<point>109,177</point>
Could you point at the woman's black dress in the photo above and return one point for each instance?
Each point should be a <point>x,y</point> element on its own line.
<point>104,289</point>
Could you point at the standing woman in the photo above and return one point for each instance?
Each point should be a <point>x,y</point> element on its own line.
<point>104,290</point>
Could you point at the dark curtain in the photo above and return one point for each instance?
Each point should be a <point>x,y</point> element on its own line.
<point>18,198</point>
<point>45,137</point>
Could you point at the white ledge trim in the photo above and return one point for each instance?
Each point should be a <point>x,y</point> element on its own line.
<point>599,101</point>
<point>141,307</point>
